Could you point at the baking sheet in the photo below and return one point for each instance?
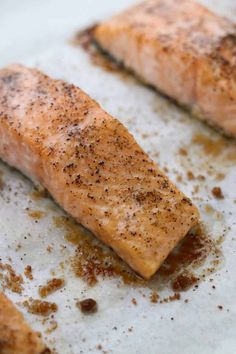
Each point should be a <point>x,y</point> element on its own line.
<point>37,34</point>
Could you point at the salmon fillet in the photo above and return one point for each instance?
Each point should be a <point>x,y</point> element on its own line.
<point>56,134</point>
<point>185,51</point>
<point>16,337</point>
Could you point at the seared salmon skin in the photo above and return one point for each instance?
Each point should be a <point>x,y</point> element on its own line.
<point>92,166</point>
<point>182,49</point>
<point>16,337</point>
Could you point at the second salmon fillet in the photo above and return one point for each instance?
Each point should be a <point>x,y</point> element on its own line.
<point>182,49</point>
<point>56,134</point>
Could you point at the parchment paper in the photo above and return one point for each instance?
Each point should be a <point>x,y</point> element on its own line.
<point>37,33</point>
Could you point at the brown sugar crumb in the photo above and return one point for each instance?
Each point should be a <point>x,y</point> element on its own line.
<point>195,190</point>
<point>209,209</point>
<point>184,281</point>
<point>28,272</point>
<point>10,280</point>
<point>220,176</point>
<point>154,297</point>
<point>190,176</point>
<point>18,247</point>
<point>134,301</point>
<point>87,306</point>
<point>183,152</point>
<point>190,254</point>
<point>51,286</point>
<point>174,297</point>
<point>99,347</point>
<point>38,307</point>
<point>201,178</point>
<point>49,248</point>
<point>217,193</point>
<point>171,298</point>
<point>166,169</point>
<point>220,307</point>
<point>179,178</point>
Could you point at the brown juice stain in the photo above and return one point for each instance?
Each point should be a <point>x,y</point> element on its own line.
<point>38,194</point>
<point>36,214</point>
<point>93,260</point>
<point>209,209</point>
<point>1,183</point>
<point>215,156</point>
<point>85,40</point>
<point>218,147</point>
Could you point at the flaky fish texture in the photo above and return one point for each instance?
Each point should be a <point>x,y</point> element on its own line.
<point>16,337</point>
<point>92,166</point>
<point>182,49</point>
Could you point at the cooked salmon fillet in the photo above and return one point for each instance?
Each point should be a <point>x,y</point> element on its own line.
<point>56,134</point>
<point>16,337</point>
<point>182,49</point>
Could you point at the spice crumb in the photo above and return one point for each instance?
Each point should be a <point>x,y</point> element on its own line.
<point>134,301</point>
<point>220,307</point>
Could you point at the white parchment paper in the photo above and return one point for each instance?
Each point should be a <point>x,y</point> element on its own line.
<point>36,33</point>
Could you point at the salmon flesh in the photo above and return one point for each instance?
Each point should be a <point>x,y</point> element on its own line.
<point>182,49</point>
<point>92,166</point>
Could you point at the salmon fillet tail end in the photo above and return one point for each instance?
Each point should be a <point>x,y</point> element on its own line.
<point>92,166</point>
<point>183,50</point>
